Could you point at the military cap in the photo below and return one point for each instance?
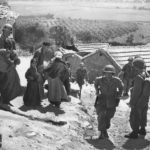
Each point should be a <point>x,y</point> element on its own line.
<point>130,59</point>
<point>109,69</point>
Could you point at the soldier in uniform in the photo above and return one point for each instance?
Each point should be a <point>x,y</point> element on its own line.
<point>138,101</point>
<point>81,76</point>
<point>108,90</point>
<point>128,76</point>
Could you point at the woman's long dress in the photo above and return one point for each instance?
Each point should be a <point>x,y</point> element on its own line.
<point>33,94</point>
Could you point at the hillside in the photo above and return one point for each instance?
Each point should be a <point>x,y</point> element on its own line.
<point>82,30</point>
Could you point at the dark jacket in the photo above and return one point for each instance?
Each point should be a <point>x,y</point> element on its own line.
<point>128,71</point>
<point>137,97</point>
<point>59,69</point>
<point>39,56</point>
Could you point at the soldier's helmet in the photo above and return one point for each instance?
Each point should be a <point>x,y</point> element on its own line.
<point>139,63</point>
<point>7,27</point>
<point>130,59</point>
<point>109,69</point>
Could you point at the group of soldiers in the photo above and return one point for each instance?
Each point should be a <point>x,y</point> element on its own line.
<point>110,89</point>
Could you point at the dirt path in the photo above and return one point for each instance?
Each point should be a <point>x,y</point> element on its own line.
<point>120,126</point>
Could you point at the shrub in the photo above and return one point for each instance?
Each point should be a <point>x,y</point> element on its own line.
<point>61,35</point>
<point>4,2</point>
<point>29,33</point>
<point>130,39</point>
<point>84,36</point>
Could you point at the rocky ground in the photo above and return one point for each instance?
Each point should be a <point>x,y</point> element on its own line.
<point>73,127</point>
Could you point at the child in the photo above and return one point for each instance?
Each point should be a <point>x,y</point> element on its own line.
<point>33,94</point>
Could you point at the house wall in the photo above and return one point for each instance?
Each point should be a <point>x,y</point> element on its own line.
<point>75,61</point>
<point>95,64</point>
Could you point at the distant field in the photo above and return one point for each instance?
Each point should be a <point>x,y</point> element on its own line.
<point>84,10</point>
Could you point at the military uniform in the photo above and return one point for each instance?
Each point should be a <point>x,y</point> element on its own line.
<point>110,92</point>
<point>138,102</point>
<point>107,100</point>
<point>128,76</point>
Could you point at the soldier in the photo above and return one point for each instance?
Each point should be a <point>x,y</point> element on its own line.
<point>81,76</point>
<point>138,101</point>
<point>108,90</point>
<point>128,76</point>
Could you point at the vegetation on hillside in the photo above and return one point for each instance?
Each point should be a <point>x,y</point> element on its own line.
<point>29,31</point>
<point>4,2</point>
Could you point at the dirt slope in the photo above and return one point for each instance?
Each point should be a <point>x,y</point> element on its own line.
<point>23,133</point>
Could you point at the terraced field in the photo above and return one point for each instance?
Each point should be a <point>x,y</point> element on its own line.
<point>83,30</point>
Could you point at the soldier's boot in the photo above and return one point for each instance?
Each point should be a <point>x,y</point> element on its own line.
<point>142,131</point>
<point>132,135</point>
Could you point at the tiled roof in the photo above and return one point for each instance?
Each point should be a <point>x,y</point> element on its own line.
<point>119,53</point>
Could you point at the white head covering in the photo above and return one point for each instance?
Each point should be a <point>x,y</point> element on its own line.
<point>58,54</point>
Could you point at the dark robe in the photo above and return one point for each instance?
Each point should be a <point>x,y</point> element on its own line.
<point>11,88</point>
<point>59,69</point>
<point>81,74</point>
<point>34,90</point>
<point>58,82</point>
<point>10,83</point>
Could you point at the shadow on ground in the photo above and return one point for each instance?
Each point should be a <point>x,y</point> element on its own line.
<point>49,108</point>
<point>137,144</point>
<point>101,144</point>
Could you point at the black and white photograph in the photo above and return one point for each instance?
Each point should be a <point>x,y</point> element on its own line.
<point>74,74</point>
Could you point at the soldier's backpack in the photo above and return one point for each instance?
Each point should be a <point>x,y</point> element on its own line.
<point>146,87</point>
